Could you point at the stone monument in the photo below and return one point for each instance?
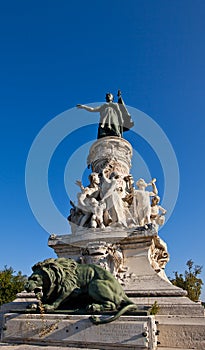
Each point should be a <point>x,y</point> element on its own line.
<point>114,225</point>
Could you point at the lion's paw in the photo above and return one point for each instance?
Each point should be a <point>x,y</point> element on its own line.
<point>94,308</point>
<point>95,319</point>
<point>48,307</point>
<point>32,306</point>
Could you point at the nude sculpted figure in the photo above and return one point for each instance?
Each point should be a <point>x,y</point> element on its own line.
<point>157,212</point>
<point>141,201</point>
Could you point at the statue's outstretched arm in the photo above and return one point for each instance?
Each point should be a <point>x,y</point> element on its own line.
<point>79,183</point>
<point>154,188</point>
<point>88,108</point>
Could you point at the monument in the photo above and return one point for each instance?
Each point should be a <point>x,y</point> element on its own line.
<point>111,268</point>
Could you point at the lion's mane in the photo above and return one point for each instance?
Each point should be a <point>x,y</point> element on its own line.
<point>60,275</point>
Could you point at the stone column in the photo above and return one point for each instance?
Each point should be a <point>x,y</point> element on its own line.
<point>114,152</point>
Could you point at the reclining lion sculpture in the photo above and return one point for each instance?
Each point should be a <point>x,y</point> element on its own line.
<point>62,279</point>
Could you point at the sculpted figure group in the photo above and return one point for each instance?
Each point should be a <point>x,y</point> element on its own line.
<point>110,200</point>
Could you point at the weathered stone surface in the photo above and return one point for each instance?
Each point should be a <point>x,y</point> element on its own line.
<point>84,236</point>
<point>21,302</point>
<point>174,305</point>
<point>126,333</point>
<point>12,346</point>
<point>182,332</point>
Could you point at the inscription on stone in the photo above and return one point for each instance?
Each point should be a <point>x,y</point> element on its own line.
<point>127,332</point>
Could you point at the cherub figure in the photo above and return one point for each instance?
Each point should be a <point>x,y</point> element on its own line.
<point>97,208</point>
<point>157,212</point>
<point>91,208</point>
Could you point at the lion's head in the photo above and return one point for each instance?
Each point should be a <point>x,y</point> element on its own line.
<point>53,277</point>
<point>35,282</point>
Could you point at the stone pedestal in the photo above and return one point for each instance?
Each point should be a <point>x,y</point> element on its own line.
<point>129,332</point>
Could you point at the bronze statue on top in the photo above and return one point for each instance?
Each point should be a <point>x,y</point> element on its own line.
<point>114,117</point>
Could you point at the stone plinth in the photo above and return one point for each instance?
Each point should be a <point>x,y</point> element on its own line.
<point>128,332</point>
<point>115,151</point>
<point>70,246</point>
<point>142,279</point>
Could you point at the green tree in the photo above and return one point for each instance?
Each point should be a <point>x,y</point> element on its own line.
<point>10,284</point>
<point>189,280</point>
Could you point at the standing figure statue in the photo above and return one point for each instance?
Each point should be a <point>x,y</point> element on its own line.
<point>142,207</point>
<point>110,194</point>
<point>114,117</point>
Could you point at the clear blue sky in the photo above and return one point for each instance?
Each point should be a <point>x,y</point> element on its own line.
<point>55,54</point>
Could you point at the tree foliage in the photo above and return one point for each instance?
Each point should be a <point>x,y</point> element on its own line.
<point>189,281</point>
<point>10,284</point>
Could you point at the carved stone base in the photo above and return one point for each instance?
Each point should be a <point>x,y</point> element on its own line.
<point>141,272</point>
<point>128,332</point>
<point>144,256</point>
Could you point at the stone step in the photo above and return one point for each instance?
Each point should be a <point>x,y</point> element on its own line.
<point>9,346</point>
<point>162,348</point>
